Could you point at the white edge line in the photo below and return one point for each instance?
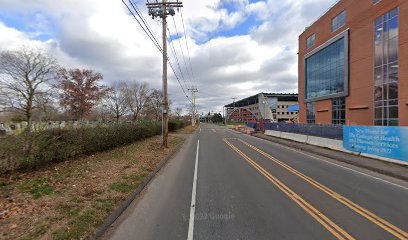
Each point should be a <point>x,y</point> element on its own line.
<point>193,198</point>
<point>338,165</point>
<point>353,170</point>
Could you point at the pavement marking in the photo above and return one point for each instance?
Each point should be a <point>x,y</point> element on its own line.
<point>214,130</point>
<point>338,165</point>
<point>193,197</point>
<point>333,228</point>
<point>397,232</point>
<point>353,170</point>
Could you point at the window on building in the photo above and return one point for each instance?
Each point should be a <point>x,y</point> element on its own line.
<point>310,113</point>
<point>339,21</point>
<point>325,71</point>
<point>339,111</point>
<point>310,42</point>
<point>386,69</point>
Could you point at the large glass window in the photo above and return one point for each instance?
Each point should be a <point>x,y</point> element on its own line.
<point>339,110</point>
<point>310,113</point>
<point>386,69</point>
<point>339,21</point>
<point>325,71</point>
<point>310,41</point>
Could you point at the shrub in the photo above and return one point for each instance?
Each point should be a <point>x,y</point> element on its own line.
<point>58,145</point>
<point>10,152</point>
<point>175,125</point>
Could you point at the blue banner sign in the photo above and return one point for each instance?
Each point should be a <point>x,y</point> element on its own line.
<point>389,142</point>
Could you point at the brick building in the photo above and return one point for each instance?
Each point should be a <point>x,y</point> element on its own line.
<point>353,65</point>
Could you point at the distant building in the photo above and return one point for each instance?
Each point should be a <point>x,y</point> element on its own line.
<point>270,107</point>
<point>353,65</point>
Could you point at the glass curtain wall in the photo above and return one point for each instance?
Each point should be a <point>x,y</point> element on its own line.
<point>310,113</point>
<point>386,69</point>
<point>339,111</point>
<point>325,71</point>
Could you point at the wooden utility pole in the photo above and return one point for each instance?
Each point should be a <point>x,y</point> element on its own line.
<point>165,110</point>
<point>162,10</point>
<point>193,107</point>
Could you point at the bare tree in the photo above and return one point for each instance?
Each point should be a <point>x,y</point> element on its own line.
<point>178,112</point>
<point>156,103</point>
<point>24,77</point>
<point>46,107</point>
<point>136,95</point>
<point>115,101</point>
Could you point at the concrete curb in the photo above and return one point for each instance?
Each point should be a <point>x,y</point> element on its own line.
<point>124,205</point>
<point>286,142</point>
<point>332,144</point>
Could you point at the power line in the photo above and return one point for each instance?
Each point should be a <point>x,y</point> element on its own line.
<point>153,38</point>
<point>139,13</point>
<point>188,50</point>
<point>175,55</point>
<point>178,80</point>
<point>154,42</point>
<point>181,49</point>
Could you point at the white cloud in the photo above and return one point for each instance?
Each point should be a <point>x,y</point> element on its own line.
<point>101,35</point>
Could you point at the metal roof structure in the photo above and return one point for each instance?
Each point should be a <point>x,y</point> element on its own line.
<point>255,98</point>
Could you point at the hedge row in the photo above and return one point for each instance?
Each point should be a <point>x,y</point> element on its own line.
<point>59,145</point>
<point>176,124</point>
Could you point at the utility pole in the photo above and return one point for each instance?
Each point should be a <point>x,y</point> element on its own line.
<point>161,10</point>
<point>233,105</point>
<point>193,107</point>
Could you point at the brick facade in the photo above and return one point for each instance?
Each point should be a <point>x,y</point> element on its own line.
<point>360,22</point>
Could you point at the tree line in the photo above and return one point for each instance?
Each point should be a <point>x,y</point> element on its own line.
<point>34,85</point>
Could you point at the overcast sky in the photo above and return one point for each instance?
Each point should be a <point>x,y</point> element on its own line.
<point>237,47</point>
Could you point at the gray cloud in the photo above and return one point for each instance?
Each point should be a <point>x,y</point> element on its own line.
<point>102,36</point>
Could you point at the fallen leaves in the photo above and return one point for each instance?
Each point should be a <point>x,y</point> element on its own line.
<point>53,199</point>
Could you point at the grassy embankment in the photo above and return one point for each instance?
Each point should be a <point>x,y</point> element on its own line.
<point>69,200</point>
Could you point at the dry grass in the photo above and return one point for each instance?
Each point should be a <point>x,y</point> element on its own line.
<point>187,130</point>
<point>70,200</point>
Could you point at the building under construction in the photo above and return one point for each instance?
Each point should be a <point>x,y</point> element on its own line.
<point>265,107</point>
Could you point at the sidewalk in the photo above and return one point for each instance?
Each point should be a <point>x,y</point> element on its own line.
<point>390,169</point>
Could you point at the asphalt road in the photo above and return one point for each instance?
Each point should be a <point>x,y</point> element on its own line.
<point>240,187</point>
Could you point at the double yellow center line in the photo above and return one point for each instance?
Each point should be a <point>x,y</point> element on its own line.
<point>387,226</point>
<point>312,211</point>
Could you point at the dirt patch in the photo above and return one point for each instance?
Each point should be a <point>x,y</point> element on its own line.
<point>70,200</point>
